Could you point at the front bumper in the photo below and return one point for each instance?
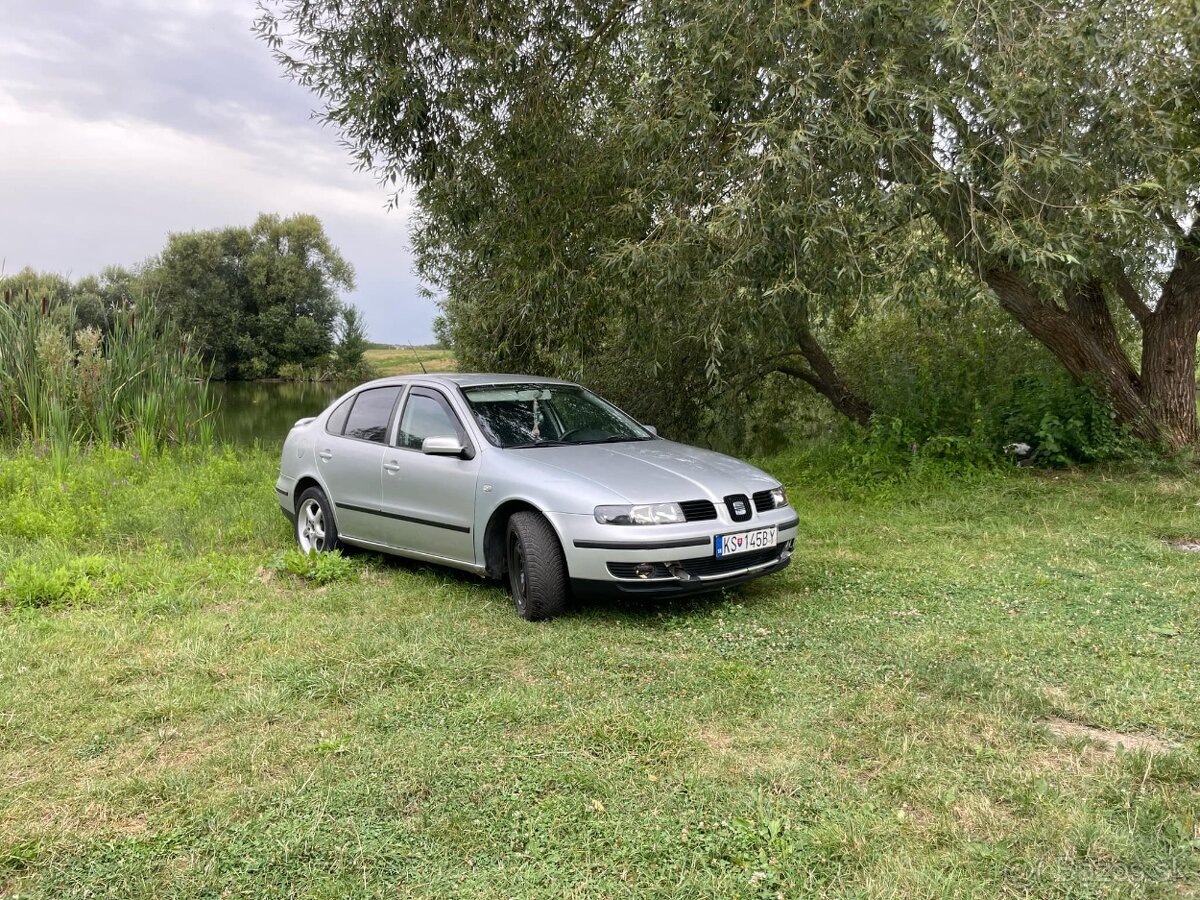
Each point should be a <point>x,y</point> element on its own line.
<point>585,588</point>
<point>667,559</point>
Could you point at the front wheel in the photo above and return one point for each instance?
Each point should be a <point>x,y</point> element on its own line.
<point>537,572</point>
<point>316,532</point>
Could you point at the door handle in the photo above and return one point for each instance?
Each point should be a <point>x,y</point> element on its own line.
<point>393,467</point>
<point>326,455</point>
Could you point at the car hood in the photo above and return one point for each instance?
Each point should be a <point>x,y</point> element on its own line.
<point>653,471</point>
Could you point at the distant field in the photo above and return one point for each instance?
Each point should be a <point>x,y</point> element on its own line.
<point>405,361</point>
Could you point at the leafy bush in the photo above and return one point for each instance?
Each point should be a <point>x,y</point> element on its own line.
<point>968,388</point>
<point>319,568</point>
<point>890,448</point>
<point>37,584</point>
<point>1064,422</point>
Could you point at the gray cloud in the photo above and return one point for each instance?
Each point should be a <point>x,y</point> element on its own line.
<point>163,63</point>
<point>127,119</point>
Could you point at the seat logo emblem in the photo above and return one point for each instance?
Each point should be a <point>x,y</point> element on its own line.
<point>739,508</point>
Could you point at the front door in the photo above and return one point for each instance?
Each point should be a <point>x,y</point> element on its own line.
<point>429,500</point>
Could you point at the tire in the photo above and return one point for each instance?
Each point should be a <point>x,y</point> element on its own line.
<point>537,571</point>
<point>316,531</point>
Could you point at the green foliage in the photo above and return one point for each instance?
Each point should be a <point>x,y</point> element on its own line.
<point>255,298</point>
<point>350,360</point>
<point>319,568</point>
<point>254,301</point>
<point>141,382</point>
<point>890,449</point>
<point>696,195</point>
<point>1066,423</point>
<point>38,584</point>
<point>977,379</point>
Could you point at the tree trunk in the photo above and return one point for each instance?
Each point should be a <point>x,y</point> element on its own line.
<point>1159,403</point>
<point>1169,376</point>
<point>1086,351</point>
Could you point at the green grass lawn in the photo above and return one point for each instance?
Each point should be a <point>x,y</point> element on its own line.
<point>900,714</point>
<point>408,361</point>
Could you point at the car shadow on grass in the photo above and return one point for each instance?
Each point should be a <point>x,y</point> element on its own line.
<point>651,611</point>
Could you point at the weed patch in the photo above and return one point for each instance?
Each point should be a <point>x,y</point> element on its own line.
<point>39,584</point>
<point>319,568</point>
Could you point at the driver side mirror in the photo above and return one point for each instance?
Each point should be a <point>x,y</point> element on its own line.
<point>651,429</point>
<point>442,446</point>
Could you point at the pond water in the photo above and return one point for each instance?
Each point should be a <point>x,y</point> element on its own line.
<point>250,411</point>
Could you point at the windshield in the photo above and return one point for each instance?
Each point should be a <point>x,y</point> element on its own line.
<point>548,415</point>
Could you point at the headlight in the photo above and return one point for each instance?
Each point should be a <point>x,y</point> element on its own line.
<point>779,497</point>
<point>640,514</point>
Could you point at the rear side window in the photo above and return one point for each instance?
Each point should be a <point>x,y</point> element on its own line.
<point>369,417</point>
<point>336,423</point>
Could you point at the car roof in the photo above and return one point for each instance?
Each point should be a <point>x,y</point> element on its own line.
<point>465,379</point>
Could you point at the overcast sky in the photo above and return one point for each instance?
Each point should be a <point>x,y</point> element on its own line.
<point>124,120</point>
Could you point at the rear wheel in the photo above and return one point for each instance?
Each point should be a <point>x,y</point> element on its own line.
<point>316,532</point>
<point>537,572</point>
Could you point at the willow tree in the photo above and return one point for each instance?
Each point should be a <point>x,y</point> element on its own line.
<point>721,182</point>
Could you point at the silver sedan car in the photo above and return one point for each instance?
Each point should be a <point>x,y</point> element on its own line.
<point>531,480</point>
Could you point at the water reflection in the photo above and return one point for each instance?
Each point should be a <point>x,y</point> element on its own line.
<point>252,411</point>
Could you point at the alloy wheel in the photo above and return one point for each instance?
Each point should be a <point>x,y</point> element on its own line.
<point>310,526</point>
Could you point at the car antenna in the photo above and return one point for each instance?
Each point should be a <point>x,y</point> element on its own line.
<point>417,358</point>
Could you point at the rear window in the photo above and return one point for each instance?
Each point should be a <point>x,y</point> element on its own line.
<point>336,423</point>
<point>369,417</point>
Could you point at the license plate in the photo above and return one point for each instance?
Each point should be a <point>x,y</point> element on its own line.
<point>745,541</point>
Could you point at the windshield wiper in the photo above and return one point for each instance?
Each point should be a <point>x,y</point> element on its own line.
<point>616,439</point>
<point>538,444</point>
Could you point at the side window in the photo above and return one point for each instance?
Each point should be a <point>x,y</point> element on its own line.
<point>336,423</point>
<point>426,415</point>
<point>368,420</point>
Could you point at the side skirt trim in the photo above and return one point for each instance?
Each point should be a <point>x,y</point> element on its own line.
<point>462,529</point>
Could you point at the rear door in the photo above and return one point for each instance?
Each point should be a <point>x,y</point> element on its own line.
<point>430,499</point>
<point>350,459</point>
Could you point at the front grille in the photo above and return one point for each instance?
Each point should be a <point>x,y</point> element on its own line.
<point>702,567</point>
<point>763,501</point>
<point>698,510</point>
<point>711,565</point>
<point>739,507</point>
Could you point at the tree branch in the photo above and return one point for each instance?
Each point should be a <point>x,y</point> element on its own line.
<point>1129,295</point>
<point>824,378</point>
<point>804,375</point>
<point>1181,291</point>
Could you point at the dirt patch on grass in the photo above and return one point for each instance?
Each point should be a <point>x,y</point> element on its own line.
<point>1080,763</point>
<point>717,741</point>
<point>48,820</point>
<point>740,754</point>
<point>1106,739</point>
<point>1184,545</point>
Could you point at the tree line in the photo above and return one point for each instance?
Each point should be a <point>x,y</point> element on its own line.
<point>717,195</point>
<point>255,302</point>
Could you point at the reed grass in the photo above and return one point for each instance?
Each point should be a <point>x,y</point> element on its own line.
<point>138,384</point>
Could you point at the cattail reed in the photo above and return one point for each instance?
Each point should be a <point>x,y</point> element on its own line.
<point>139,384</point>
